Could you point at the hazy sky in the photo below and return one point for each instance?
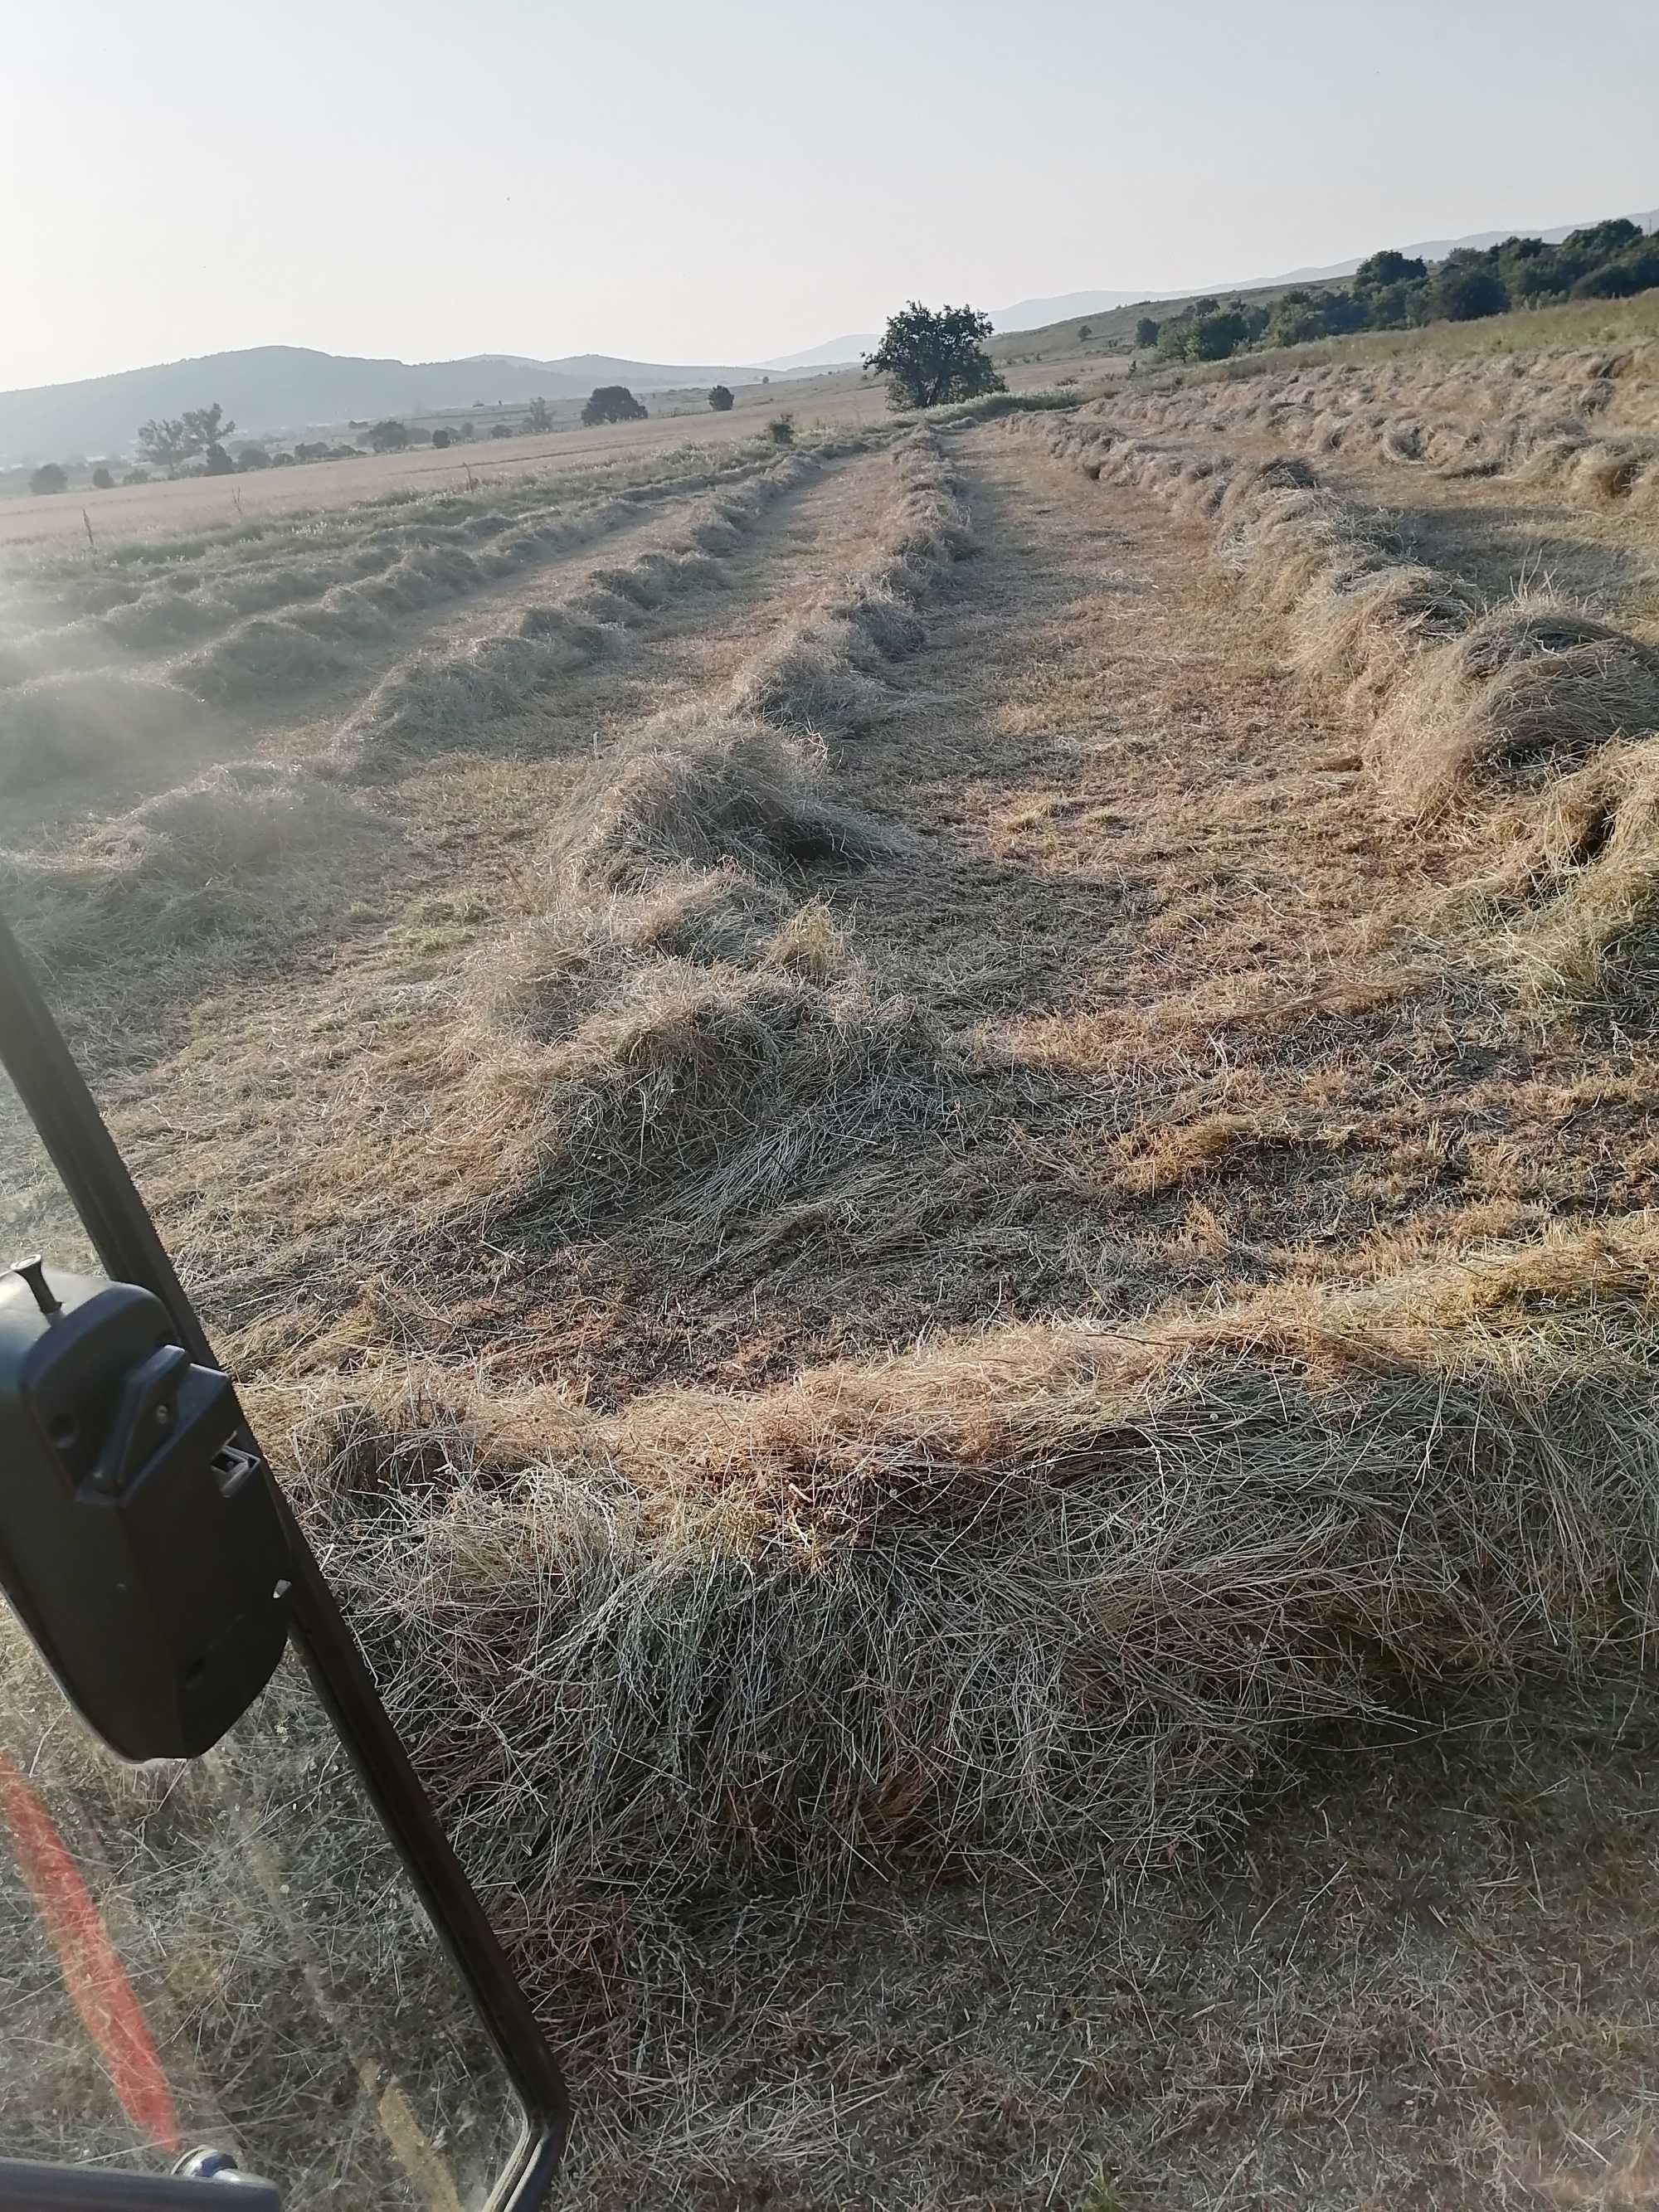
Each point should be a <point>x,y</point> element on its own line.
<point>717,180</point>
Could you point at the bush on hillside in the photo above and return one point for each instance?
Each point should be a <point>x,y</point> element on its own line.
<point>1464,288</point>
<point>720,399</point>
<point>49,477</point>
<point>101,479</point>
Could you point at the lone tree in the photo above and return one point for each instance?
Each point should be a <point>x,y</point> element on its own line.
<point>1146,331</point>
<point>440,437</point>
<point>1085,333</point>
<point>101,479</point>
<point>164,441</point>
<point>612,402</point>
<point>929,356</point>
<point>540,416</point>
<point>720,399</point>
<point>206,427</point>
<point>49,477</point>
<point>168,440</point>
<point>390,436</point>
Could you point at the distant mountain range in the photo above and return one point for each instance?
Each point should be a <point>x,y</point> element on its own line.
<point>272,390</point>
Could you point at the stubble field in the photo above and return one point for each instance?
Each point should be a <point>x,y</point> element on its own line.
<point>933,1158</point>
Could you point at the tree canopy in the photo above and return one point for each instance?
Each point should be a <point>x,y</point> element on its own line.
<point>1390,289</point>
<point>930,357</point>
<point>720,398</point>
<point>612,402</point>
<point>168,440</point>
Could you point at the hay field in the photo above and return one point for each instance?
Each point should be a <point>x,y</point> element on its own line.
<point>934,1160</point>
<point>35,528</point>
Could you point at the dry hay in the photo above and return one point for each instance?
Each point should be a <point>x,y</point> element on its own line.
<point>697,791</point>
<point>697,1097</point>
<point>1527,691</point>
<point>1609,471</point>
<point>60,725</point>
<point>571,962</point>
<point>820,676</point>
<point>1358,634</point>
<point>1576,897</point>
<point>809,680</point>
<point>260,657</point>
<point>244,850</point>
<point>440,703</point>
<point>1030,1598</point>
<point>1402,441</point>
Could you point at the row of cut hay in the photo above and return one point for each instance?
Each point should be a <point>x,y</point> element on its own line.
<point>824,675</point>
<point>1031,1598</point>
<point>92,724</point>
<point>81,722</point>
<point>243,853</point>
<point>1516,717</point>
<point>1456,698</point>
<point>104,615</point>
<point>680,1048</point>
<point>434,701</point>
<point>1573,891</point>
<point>270,653</point>
<point>1488,428</point>
<point>361,591</point>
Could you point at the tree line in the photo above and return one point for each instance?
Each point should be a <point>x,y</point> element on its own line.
<point>1392,291</point>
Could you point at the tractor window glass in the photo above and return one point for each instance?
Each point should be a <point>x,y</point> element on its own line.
<point>222,1951</point>
<point>225,1951</point>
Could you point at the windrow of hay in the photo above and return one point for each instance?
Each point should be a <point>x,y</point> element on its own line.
<point>680,1046</point>
<point>439,700</point>
<point>681,1049</point>
<point>359,589</point>
<point>245,851</point>
<point>1031,1598</point>
<point>1462,707</point>
<point>75,725</point>
<point>1541,419</point>
<point>823,675</point>
<point>698,790</point>
<point>1525,692</point>
<point>1576,892</point>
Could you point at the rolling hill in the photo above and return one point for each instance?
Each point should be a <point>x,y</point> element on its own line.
<point>277,389</point>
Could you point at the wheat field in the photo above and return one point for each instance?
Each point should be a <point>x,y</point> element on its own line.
<point>931,1159</point>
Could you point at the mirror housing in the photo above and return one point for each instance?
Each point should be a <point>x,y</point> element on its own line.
<point>140,1538</point>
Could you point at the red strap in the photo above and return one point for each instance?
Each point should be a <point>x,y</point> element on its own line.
<point>92,1974</point>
